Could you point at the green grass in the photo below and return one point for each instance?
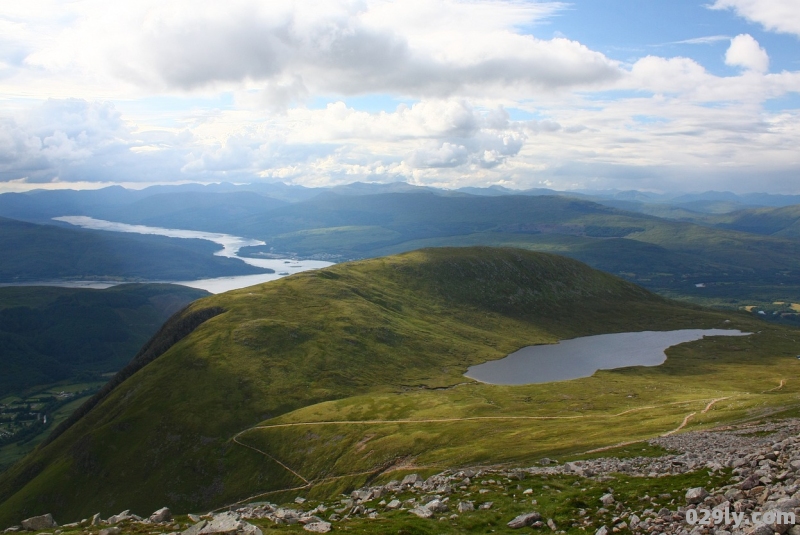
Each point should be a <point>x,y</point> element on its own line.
<point>372,340</point>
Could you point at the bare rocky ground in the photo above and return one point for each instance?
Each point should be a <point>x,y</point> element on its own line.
<point>760,464</point>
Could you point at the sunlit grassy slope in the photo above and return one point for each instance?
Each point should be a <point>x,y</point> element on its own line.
<point>386,339</point>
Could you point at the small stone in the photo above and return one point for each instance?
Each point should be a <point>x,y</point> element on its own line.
<point>602,531</point>
<point>527,491</point>
<point>607,499</point>
<point>551,524</point>
<point>422,512</point>
<point>486,505</point>
<point>162,515</point>
<point>394,504</point>
<point>410,480</point>
<point>113,530</point>
<point>299,500</point>
<point>696,495</point>
<point>463,507</point>
<point>318,527</point>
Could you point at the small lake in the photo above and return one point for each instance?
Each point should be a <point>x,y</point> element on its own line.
<point>581,357</point>
<point>230,249</point>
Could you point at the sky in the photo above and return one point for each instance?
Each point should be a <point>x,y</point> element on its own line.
<point>658,95</point>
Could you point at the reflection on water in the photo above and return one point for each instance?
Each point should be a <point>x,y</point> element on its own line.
<point>230,249</point>
<point>581,357</point>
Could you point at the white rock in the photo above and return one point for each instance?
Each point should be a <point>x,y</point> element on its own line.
<point>318,527</point>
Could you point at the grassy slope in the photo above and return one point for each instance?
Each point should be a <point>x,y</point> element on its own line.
<point>379,327</point>
<point>53,334</point>
<point>40,252</point>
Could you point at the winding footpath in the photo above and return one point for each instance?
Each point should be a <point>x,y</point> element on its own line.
<point>309,483</point>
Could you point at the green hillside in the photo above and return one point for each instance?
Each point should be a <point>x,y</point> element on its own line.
<point>388,338</point>
<point>34,252</point>
<point>50,334</point>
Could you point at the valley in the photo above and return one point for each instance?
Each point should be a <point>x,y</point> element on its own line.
<point>352,375</point>
<point>328,380</point>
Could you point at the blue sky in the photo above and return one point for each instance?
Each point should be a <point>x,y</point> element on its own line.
<point>658,95</point>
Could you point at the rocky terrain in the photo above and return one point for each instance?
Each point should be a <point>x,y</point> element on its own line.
<point>758,465</point>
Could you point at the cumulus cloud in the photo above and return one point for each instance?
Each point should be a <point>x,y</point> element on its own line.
<point>251,90</point>
<point>746,52</point>
<point>75,140</point>
<point>776,15</point>
<point>290,49</point>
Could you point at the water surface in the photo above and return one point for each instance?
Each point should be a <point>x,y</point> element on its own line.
<point>581,357</point>
<point>230,249</point>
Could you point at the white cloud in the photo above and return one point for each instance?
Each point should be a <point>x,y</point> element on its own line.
<point>776,15</point>
<point>290,49</point>
<point>707,40</point>
<point>239,91</point>
<point>74,140</point>
<point>746,52</point>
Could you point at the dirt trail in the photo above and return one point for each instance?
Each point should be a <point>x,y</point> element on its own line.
<point>237,441</point>
<point>779,387</point>
<point>311,483</point>
<point>711,404</point>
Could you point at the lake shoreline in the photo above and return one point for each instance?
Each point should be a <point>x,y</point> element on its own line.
<point>581,357</point>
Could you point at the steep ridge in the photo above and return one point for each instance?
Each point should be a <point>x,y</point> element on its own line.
<point>164,434</point>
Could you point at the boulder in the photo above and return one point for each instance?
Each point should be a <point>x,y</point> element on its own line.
<point>394,504</point>
<point>223,523</point>
<point>422,512</point>
<point>96,520</point>
<point>318,527</point>
<point>696,495</point>
<point>38,523</point>
<point>524,520</point>
<point>751,482</point>
<point>436,506</point>
<point>601,531</point>
<point>195,529</point>
<point>466,506</point>
<point>162,515</point>
<point>250,529</point>
<point>410,480</point>
<point>124,515</point>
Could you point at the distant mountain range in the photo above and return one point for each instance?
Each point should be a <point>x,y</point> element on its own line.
<point>667,243</point>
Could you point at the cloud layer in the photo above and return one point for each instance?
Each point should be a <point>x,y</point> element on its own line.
<point>157,92</point>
